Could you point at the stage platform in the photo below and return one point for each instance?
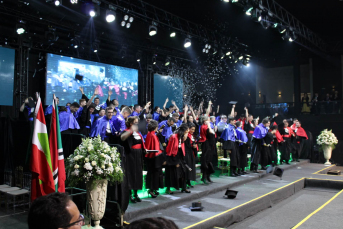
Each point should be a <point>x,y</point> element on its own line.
<point>263,201</point>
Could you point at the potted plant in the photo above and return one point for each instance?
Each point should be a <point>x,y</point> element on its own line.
<point>327,142</point>
<point>95,163</point>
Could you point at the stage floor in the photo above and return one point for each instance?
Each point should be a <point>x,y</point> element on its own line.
<point>252,200</point>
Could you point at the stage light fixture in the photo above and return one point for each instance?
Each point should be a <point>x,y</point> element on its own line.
<point>92,13</point>
<point>240,57</point>
<point>228,53</point>
<point>21,28</point>
<point>204,50</point>
<point>57,2</point>
<point>73,1</point>
<point>152,30</point>
<point>110,16</point>
<point>285,36</point>
<point>282,30</point>
<point>123,23</point>
<point>233,1</point>
<point>275,25</point>
<point>292,36</point>
<point>95,46</point>
<point>76,46</point>
<point>126,17</point>
<point>214,51</point>
<point>172,34</point>
<point>128,25</point>
<point>153,60</point>
<point>248,10</point>
<point>131,19</point>
<point>256,15</point>
<point>139,56</point>
<point>209,46</point>
<point>167,61</point>
<point>187,43</point>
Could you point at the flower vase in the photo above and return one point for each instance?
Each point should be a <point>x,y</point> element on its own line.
<point>327,154</point>
<point>96,196</point>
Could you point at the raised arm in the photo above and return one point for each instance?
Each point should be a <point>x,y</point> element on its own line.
<point>218,110</point>
<point>194,116</point>
<point>109,97</point>
<point>177,109</point>
<point>165,103</point>
<point>96,92</point>
<point>185,114</point>
<point>23,105</point>
<point>246,113</point>
<point>208,108</point>
<point>233,111</point>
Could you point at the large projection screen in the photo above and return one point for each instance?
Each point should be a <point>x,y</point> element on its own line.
<point>7,60</point>
<point>66,74</point>
<point>168,87</point>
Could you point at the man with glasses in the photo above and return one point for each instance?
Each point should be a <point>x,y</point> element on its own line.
<point>104,126</point>
<point>55,211</point>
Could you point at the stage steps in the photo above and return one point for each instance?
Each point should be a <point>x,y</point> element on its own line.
<point>200,190</point>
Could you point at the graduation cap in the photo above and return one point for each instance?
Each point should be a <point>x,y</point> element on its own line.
<point>78,77</point>
<point>269,169</point>
<point>278,172</point>
<point>233,102</point>
<point>230,194</point>
<point>196,206</point>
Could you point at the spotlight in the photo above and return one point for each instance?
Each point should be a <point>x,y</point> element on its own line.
<point>187,43</point>
<point>92,13</point>
<point>209,46</point>
<point>73,1</point>
<point>76,46</point>
<point>172,34</point>
<point>206,46</point>
<point>139,56</point>
<point>110,16</point>
<point>240,57</point>
<point>126,17</point>
<point>228,53</point>
<point>154,60</point>
<point>123,23</point>
<point>256,15</point>
<point>292,36</point>
<point>248,65</point>
<point>167,61</point>
<point>204,50</point>
<point>282,30</point>
<point>131,19</point>
<point>20,30</point>
<point>95,46</point>
<point>226,0</point>
<point>57,2</point>
<point>152,30</point>
<point>214,51</point>
<point>128,25</point>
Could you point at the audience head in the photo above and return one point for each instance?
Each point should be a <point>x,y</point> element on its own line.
<point>102,112</point>
<point>191,127</point>
<point>213,119</point>
<point>182,130</point>
<point>171,121</point>
<point>298,124</point>
<point>121,107</point>
<point>68,104</point>
<point>250,117</point>
<point>176,117</point>
<point>231,120</point>
<point>285,123</point>
<point>109,112</point>
<point>152,223</point>
<point>157,109</point>
<point>54,211</point>
<point>148,117</point>
<point>82,102</point>
<point>62,109</point>
<point>126,112</point>
<point>238,124</point>
<point>137,108</point>
<point>204,119</point>
<point>97,101</point>
<point>91,108</point>
<point>273,129</point>
<point>266,122</point>
<point>133,120</point>
<point>223,118</point>
<point>57,100</point>
<point>74,107</point>
<point>153,125</point>
<point>115,102</point>
<point>190,118</point>
<point>242,116</point>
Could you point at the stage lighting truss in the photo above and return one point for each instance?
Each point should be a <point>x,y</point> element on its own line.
<point>127,21</point>
<point>50,35</point>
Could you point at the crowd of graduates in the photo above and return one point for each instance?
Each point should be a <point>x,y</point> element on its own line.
<point>171,138</point>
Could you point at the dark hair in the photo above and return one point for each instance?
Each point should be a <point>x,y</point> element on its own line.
<point>153,124</point>
<point>156,108</point>
<point>230,118</point>
<point>130,121</point>
<point>135,106</point>
<point>274,127</point>
<point>181,130</point>
<point>81,100</point>
<point>121,107</point>
<point>175,115</point>
<point>108,108</point>
<point>265,121</point>
<point>92,106</point>
<point>171,119</point>
<point>96,98</point>
<point>67,104</point>
<point>299,122</point>
<point>62,108</point>
<point>188,116</point>
<point>242,115</point>
<point>295,119</point>
<point>191,125</point>
<point>152,223</point>
<point>49,211</point>
<point>148,116</point>
<point>249,115</point>
<point>238,124</point>
<point>75,104</point>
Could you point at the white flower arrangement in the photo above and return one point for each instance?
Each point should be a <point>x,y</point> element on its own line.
<point>327,138</point>
<point>94,160</point>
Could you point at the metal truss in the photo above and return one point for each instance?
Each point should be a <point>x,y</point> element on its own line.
<point>307,37</point>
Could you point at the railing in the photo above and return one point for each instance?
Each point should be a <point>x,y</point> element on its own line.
<point>269,109</point>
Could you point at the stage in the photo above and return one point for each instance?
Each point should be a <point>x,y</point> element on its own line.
<point>263,201</point>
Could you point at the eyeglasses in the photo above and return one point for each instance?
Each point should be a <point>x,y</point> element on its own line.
<point>79,222</point>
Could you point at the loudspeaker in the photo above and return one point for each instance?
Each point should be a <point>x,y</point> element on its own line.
<point>278,172</point>
<point>196,206</point>
<point>230,194</point>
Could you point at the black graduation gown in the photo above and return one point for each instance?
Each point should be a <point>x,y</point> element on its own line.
<point>190,158</point>
<point>154,177</point>
<point>208,150</point>
<point>256,147</point>
<point>134,163</point>
<point>266,156</point>
<point>175,176</point>
<point>243,153</point>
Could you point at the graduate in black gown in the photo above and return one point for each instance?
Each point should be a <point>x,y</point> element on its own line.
<point>134,147</point>
<point>300,137</point>
<point>154,160</point>
<point>176,165</point>
<point>286,146</point>
<point>242,148</point>
<point>258,136</point>
<point>191,154</point>
<point>208,144</point>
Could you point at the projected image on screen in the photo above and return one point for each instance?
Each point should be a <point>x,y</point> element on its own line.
<point>66,74</point>
<point>7,58</point>
<point>168,87</point>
